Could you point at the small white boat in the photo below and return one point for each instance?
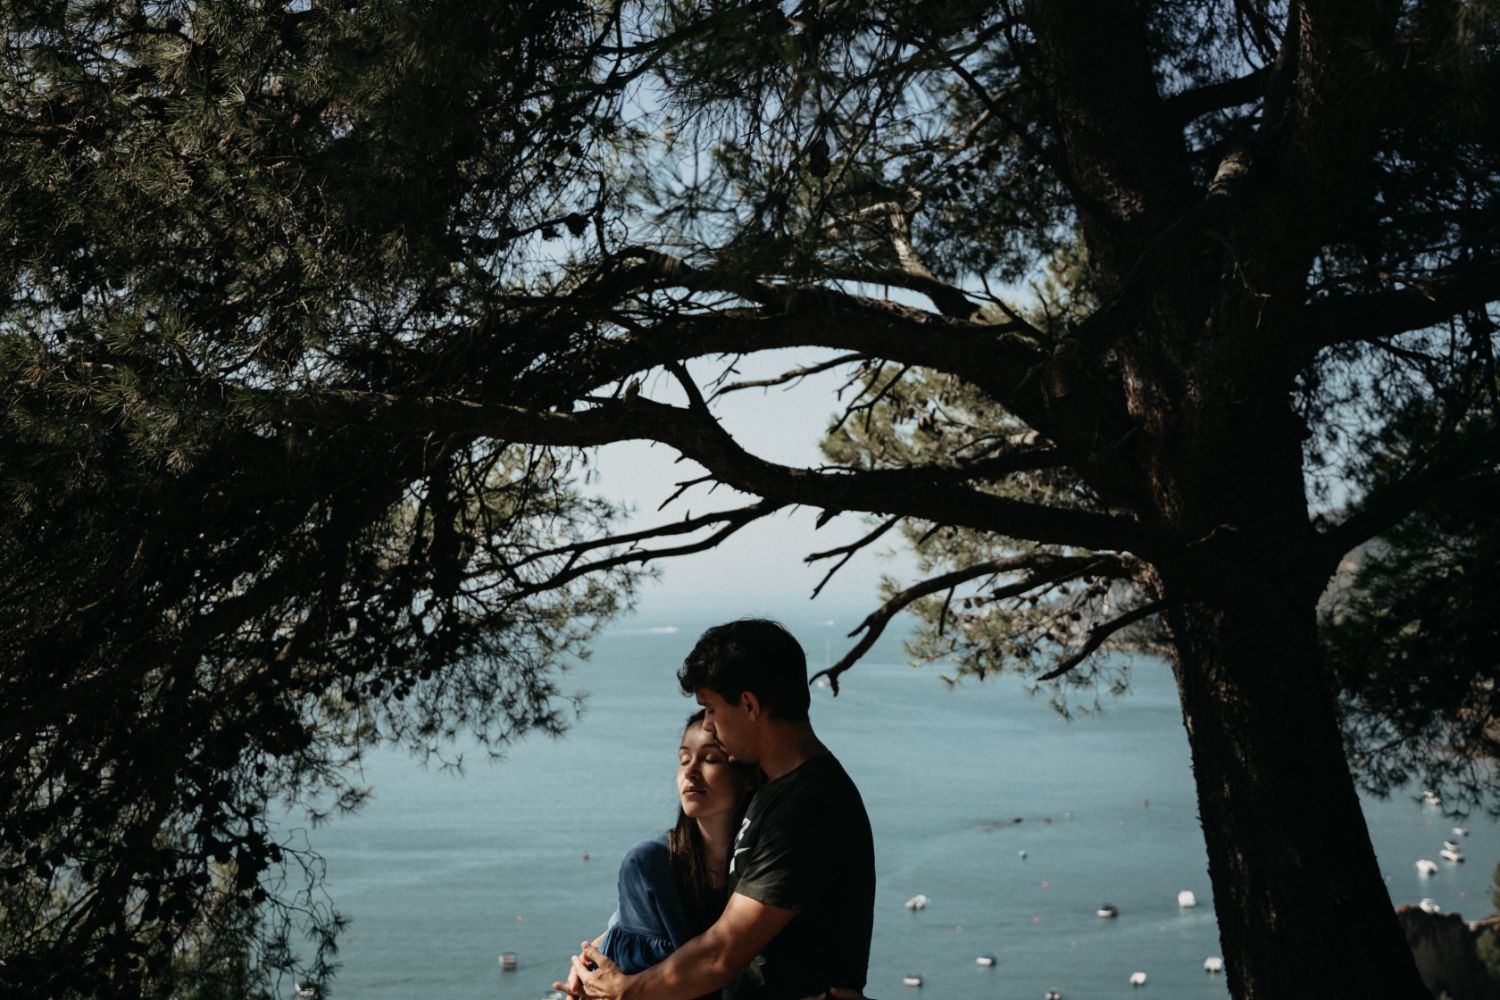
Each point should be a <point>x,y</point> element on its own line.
<point>307,991</point>
<point>917,902</point>
<point>1137,979</point>
<point>985,960</point>
<point>1429,905</point>
<point>508,961</point>
<point>1453,856</point>
<point>1431,798</point>
<point>1052,995</point>
<point>1108,910</point>
<point>1426,868</point>
<point>1213,964</point>
<point>911,980</point>
<point>1186,899</point>
<point>1459,831</point>
<point>1453,845</point>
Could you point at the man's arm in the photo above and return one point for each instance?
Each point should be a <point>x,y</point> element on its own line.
<point>702,965</point>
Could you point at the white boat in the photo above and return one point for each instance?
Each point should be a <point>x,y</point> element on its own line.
<point>1426,868</point>
<point>911,980</point>
<point>917,902</point>
<point>1431,798</point>
<point>1137,979</point>
<point>307,991</point>
<point>1186,899</point>
<point>1052,995</point>
<point>1459,831</point>
<point>1212,964</point>
<point>508,961</point>
<point>1108,910</point>
<point>985,960</point>
<point>1429,905</point>
<point>1452,845</point>
<point>1453,856</point>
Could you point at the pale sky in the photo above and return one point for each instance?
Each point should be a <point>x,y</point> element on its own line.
<point>760,569</point>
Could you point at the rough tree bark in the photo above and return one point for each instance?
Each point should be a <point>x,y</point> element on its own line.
<point>1202,294</point>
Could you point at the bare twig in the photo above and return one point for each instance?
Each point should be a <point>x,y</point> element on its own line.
<point>790,376</point>
<point>848,551</point>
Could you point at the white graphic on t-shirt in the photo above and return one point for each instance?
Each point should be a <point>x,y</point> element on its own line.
<point>744,826</point>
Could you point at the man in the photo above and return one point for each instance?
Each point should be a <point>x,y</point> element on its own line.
<point>802,873</point>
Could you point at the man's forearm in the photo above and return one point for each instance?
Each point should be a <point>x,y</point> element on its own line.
<point>700,966</point>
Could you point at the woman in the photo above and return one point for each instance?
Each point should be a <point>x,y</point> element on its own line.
<point>673,886</point>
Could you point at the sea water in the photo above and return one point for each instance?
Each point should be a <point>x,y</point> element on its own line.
<point>1015,824</point>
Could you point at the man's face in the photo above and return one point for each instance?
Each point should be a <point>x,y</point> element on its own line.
<point>727,722</point>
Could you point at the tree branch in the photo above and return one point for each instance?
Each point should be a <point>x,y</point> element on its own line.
<point>875,623</point>
<point>1387,506</point>
<point>686,526</point>
<point>1199,101</point>
<point>1424,302</point>
<point>732,521</point>
<point>1098,634</point>
<point>697,436</point>
<point>790,376</point>
<point>848,551</point>
<point>1048,569</point>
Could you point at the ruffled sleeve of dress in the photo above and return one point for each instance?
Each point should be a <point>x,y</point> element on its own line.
<point>651,922</point>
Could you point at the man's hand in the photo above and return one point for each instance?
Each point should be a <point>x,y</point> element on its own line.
<point>599,978</point>
<point>573,987</point>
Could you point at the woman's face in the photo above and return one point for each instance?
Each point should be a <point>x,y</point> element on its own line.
<point>707,784</point>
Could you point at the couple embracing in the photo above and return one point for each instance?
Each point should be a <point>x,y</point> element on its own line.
<point>765,888</point>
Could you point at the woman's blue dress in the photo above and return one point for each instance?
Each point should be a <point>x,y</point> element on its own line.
<point>651,922</point>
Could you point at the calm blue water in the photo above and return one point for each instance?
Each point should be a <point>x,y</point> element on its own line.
<point>441,873</point>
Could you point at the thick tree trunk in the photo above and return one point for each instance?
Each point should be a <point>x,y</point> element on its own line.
<point>1303,910</point>
<point>1302,907</point>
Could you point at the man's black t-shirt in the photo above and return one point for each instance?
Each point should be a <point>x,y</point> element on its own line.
<point>805,845</point>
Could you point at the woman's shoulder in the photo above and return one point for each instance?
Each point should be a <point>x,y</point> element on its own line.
<point>650,855</point>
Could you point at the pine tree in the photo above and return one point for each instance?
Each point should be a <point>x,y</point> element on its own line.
<point>310,309</point>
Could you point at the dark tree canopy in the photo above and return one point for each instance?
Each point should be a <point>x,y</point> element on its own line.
<point>211,611</point>
<point>1412,633</point>
<point>310,311</point>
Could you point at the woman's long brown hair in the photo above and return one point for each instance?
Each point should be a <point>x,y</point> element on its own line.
<point>689,857</point>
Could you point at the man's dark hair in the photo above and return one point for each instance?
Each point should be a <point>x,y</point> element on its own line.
<point>755,655</point>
